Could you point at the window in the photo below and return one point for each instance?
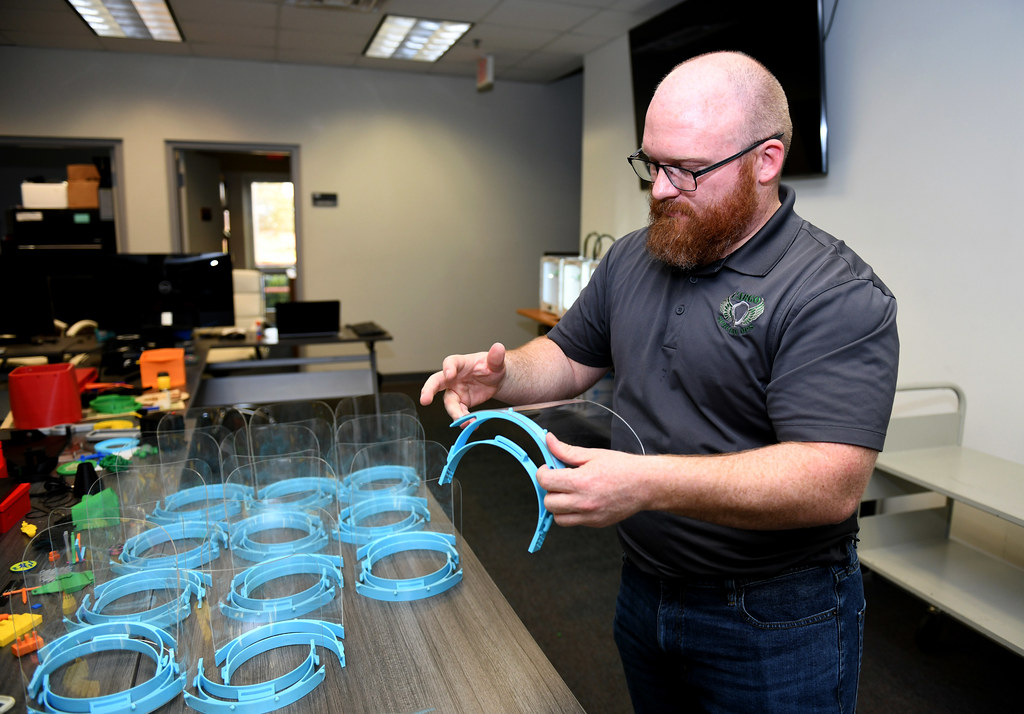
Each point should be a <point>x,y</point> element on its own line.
<point>273,224</point>
<point>273,228</point>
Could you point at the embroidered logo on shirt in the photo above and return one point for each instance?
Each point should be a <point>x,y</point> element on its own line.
<point>737,313</point>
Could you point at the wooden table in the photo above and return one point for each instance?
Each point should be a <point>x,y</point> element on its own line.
<point>464,650</point>
<point>545,318</point>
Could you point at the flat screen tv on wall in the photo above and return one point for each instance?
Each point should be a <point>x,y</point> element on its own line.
<point>787,37</point>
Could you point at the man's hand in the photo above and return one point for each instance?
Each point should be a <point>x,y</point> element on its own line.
<point>466,380</point>
<point>599,487</point>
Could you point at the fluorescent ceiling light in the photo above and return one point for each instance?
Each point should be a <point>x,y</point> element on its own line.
<point>138,19</point>
<point>411,38</point>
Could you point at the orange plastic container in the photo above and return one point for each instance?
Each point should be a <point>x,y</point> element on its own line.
<point>165,359</point>
<point>43,395</point>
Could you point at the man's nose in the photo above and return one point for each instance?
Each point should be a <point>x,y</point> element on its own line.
<point>662,187</point>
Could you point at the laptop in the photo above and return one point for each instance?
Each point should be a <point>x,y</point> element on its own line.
<point>308,318</point>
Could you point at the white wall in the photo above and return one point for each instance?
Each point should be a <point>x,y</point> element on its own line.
<point>447,198</point>
<point>925,180</point>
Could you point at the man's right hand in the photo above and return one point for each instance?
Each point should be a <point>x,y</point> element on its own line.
<point>466,380</point>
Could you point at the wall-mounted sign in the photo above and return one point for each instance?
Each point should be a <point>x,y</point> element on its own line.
<point>325,200</point>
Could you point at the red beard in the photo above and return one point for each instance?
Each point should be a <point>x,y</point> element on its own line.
<point>687,238</point>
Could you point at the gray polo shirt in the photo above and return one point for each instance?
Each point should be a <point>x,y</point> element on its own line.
<point>790,338</point>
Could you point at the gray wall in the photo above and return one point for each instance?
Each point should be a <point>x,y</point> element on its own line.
<point>447,197</point>
<point>925,181</point>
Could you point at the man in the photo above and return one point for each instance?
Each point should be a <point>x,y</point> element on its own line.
<point>755,356</point>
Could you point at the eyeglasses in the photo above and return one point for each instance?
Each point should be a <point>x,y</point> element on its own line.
<point>682,179</point>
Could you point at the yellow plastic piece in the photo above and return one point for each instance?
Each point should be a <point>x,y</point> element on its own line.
<point>114,424</point>
<point>17,625</point>
<point>28,529</point>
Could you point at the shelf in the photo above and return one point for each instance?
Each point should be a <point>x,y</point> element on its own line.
<point>549,319</point>
<point>913,541</point>
<point>978,479</point>
<point>981,591</point>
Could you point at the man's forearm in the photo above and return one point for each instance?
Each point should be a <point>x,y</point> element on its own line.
<point>787,485</point>
<point>539,371</point>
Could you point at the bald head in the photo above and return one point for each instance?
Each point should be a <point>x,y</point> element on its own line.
<point>728,94</point>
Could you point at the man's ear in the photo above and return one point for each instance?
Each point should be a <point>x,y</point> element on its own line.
<point>772,156</point>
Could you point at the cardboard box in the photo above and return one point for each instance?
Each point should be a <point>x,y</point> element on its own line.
<point>44,195</point>
<point>83,172</point>
<point>83,193</point>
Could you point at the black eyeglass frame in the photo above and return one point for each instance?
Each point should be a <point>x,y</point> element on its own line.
<point>647,164</point>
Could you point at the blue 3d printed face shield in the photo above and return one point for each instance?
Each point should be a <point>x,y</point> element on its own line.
<point>580,422</point>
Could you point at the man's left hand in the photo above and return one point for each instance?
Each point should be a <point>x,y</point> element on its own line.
<point>595,489</point>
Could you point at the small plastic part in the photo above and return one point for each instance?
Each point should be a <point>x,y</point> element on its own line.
<point>166,683</point>
<point>244,546</point>
<point>28,529</point>
<point>27,643</point>
<point>349,530</point>
<point>114,404</point>
<point>275,693</point>
<point>387,479</point>
<point>97,510</point>
<point>111,447</point>
<point>225,498</point>
<point>17,625</point>
<point>305,492</point>
<point>534,431</point>
<point>188,583</point>
<point>404,589</point>
<point>239,605</point>
<point>67,583</point>
<point>132,559</point>
<point>85,478</point>
<point>24,597</point>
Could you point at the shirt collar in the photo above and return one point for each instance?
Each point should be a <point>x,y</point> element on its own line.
<point>766,247</point>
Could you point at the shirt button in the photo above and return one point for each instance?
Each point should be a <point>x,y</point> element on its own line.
<point>680,309</point>
<point>693,278</point>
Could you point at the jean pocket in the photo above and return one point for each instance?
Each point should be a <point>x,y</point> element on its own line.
<point>796,599</point>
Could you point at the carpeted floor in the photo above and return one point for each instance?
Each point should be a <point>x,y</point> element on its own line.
<point>565,595</point>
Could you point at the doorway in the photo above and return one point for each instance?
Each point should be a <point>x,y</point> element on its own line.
<point>240,199</point>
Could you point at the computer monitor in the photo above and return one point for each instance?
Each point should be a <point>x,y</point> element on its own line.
<point>179,292</point>
<point>25,309</point>
<point>154,295</point>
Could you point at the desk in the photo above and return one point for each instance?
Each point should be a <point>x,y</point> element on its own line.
<point>271,387</point>
<point>547,319</point>
<point>464,650</point>
<point>54,350</point>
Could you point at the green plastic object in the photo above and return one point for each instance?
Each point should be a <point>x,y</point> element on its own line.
<point>66,583</point>
<point>96,510</point>
<point>114,404</point>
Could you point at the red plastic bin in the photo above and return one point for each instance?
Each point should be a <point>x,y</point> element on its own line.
<point>43,395</point>
<point>14,507</point>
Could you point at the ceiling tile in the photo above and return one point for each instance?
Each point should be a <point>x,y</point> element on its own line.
<point>531,40</point>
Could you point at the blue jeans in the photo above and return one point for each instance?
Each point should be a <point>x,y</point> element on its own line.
<point>788,643</point>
